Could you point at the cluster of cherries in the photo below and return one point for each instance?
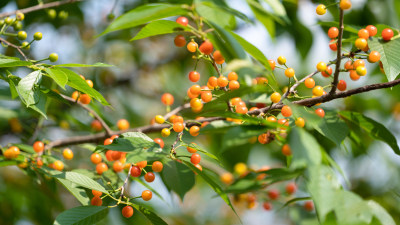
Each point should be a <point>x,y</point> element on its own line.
<point>19,34</point>
<point>268,197</point>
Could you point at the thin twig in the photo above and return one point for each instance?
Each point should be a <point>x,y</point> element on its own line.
<point>126,180</point>
<point>103,123</point>
<point>14,46</point>
<point>39,7</point>
<point>176,110</point>
<point>339,52</point>
<point>177,140</point>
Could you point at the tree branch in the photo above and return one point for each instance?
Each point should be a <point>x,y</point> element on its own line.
<point>14,46</point>
<point>39,7</point>
<point>157,127</point>
<point>103,123</point>
<point>339,52</point>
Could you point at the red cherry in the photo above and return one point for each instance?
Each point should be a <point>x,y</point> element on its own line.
<point>195,159</point>
<point>273,194</point>
<point>135,171</point>
<point>387,34</point>
<point>182,21</point>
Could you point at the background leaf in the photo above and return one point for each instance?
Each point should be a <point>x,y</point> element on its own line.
<point>82,215</point>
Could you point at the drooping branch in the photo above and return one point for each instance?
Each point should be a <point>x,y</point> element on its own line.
<point>14,46</point>
<point>39,7</point>
<point>91,111</point>
<point>339,52</point>
<point>93,138</point>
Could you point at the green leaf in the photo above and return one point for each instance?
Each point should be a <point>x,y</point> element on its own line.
<point>13,62</point>
<point>279,9</point>
<point>144,14</point>
<point>240,135</point>
<point>250,182</point>
<point>263,16</point>
<point>75,81</point>
<point>213,185</point>
<point>178,177</point>
<point>333,128</point>
<point>380,213</point>
<point>390,55</point>
<point>349,28</point>
<point>198,148</point>
<point>224,41</point>
<point>30,94</point>
<point>78,179</point>
<point>373,128</point>
<point>305,148</point>
<point>348,207</point>
<point>26,86</point>
<point>216,15</point>
<point>133,141</point>
<point>4,162</point>
<point>253,51</point>
<point>78,193</point>
<point>98,64</point>
<point>159,27</point>
<point>58,76</point>
<point>145,184</point>
<point>24,147</point>
<point>151,216</point>
<point>82,215</point>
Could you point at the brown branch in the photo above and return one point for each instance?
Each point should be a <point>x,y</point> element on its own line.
<point>339,50</point>
<point>177,140</point>
<point>176,110</point>
<point>294,86</point>
<point>14,46</point>
<point>157,127</point>
<point>39,7</point>
<point>343,94</point>
<point>91,111</point>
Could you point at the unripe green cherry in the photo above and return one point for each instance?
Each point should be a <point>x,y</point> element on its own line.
<point>17,25</point>
<point>8,20</point>
<point>53,57</point>
<point>63,15</point>
<point>52,13</point>
<point>25,45</point>
<point>2,22</point>
<point>22,35</point>
<point>20,16</point>
<point>110,17</point>
<point>38,36</point>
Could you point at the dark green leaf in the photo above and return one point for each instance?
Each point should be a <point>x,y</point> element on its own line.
<point>154,218</point>
<point>213,185</point>
<point>226,43</point>
<point>178,177</point>
<point>83,215</point>
<point>372,127</point>
<point>75,81</point>
<point>333,128</point>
